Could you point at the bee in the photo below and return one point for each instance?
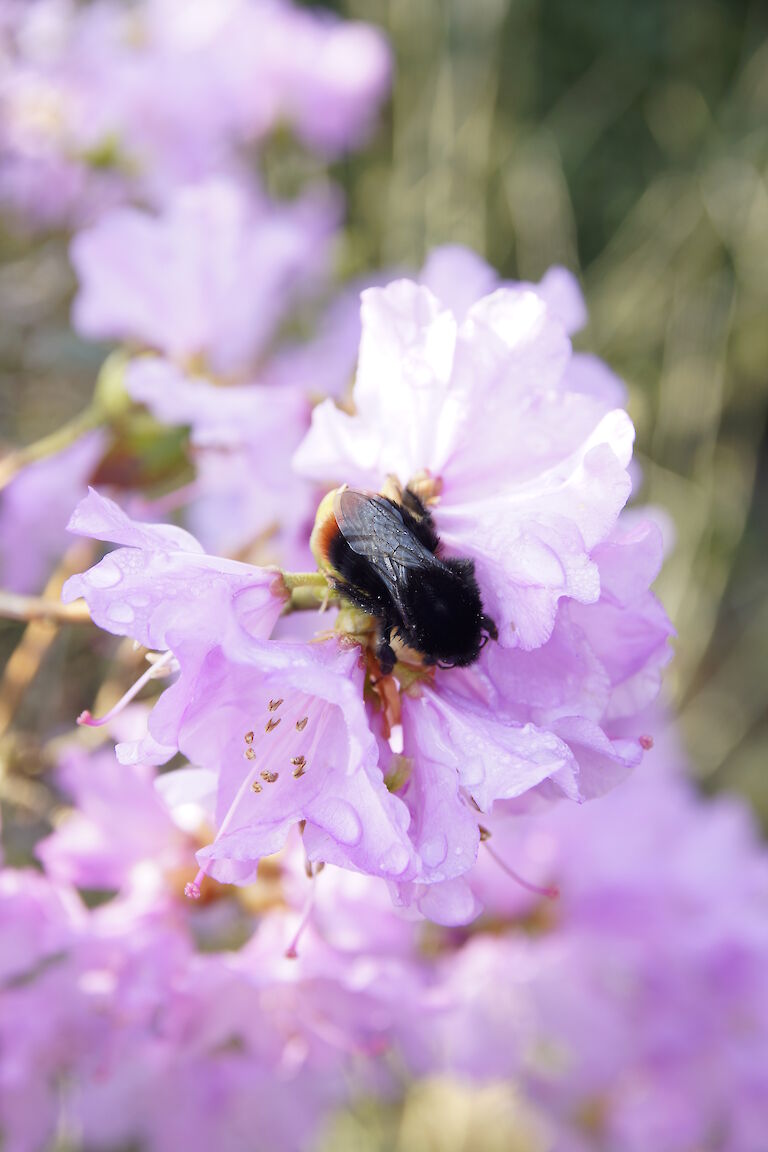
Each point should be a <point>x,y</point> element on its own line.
<point>383,555</point>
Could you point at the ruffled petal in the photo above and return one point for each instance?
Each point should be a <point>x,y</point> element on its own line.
<point>532,543</point>
<point>493,758</point>
<point>161,587</point>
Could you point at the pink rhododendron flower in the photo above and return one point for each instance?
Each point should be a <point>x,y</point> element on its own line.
<point>89,849</point>
<point>531,474</point>
<point>208,280</point>
<point>207,283</point>
<point>321,766</point>
<point>115,1024</point>
<point>104,103</point>
<point>634,1015</point>
<point>582,640</point>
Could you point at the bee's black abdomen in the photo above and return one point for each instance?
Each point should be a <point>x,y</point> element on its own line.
<point>445,612</point>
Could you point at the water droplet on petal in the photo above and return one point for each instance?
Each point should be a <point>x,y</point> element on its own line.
<point>434,850</point>
<point>104,575</point>
<point>342,822</point>
<point>120,613</point>
<point>395,860</point>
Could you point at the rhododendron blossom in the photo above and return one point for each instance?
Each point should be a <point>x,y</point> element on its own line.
<point>530,474</point>
<point>341,808</point>
<point>521,472</point>
<point>107,102</point>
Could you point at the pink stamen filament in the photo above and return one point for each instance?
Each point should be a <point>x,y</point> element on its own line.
<point>86,719</point>
<point>192,890</point>
<point>551,893</point>
<point>292,951</point>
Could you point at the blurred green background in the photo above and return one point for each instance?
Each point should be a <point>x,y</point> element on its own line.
<point>628,140</point>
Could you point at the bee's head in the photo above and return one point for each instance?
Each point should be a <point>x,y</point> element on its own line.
<point>447,621</point>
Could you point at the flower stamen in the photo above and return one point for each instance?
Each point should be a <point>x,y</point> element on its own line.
<point>158,667</point>
<point>551,892</point>
<point>291,951</point>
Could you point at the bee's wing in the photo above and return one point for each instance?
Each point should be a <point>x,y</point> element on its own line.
<point>374,528</point>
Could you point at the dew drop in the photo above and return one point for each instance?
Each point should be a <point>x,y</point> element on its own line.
<point>342,822</point>
<point>434,851</point>
<point>395,861</point>
<point>104,575</point>
<point>120,613</point>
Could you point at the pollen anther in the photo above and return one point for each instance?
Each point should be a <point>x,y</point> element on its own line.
<point>250,753</point>
<point>249,737</point>
<point>256,787</point>
<point>274,705</point>
<point>301,724</point>
<point>270,777</point>
<point>271,724</point>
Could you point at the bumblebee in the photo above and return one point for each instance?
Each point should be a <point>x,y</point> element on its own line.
<point>383,555</point>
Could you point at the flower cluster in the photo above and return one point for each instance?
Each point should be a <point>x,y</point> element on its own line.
<point>630,1013</point>
<point>107,102</point>
<point>521,454</point>
<point>391,804</point>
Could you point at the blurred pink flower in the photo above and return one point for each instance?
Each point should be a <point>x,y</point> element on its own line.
<point>206,281</point>
<point>104,103</point>
<point>241,440</point>
<point>635,1013</point>
<point>34,509</point>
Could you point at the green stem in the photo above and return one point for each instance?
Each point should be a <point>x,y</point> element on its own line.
<point>305,580</point>
<point>310,599</point>
<point>10,466</point>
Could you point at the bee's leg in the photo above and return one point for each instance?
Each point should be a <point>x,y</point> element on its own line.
<point>384,652</point>
<point>490,626</point>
